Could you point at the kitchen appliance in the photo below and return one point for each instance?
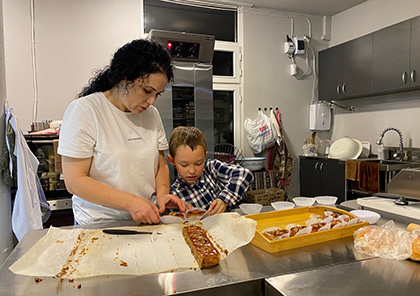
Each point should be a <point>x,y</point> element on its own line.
<point>402,198</point>
<point>188,100</point>
<point>44,147</point>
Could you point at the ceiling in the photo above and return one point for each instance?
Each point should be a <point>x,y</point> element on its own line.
<point>316,7</point>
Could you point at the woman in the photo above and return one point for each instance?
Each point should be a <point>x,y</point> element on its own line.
<point>112,140</point>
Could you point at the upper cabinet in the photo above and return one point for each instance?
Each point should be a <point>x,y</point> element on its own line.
<point>345,70</point>
<point>391,58</point>
<point>415,52</point>
<point>385,61</point>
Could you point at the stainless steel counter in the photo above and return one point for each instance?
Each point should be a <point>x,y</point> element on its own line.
<point>242,273</point>
<point>370,277</point>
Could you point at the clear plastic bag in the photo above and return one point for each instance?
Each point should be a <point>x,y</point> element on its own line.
<point>386,241</point>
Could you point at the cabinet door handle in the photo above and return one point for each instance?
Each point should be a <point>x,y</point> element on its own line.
<point>404,77</point>
<point>321,166</point>
<point>316,166</point>
<point>338,89</point>
<point>413,76</point>
<point>343,88</point>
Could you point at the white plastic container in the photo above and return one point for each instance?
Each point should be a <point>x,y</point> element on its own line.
<point>250,208</point>
<point>301,201</point>
<point>368,216</point>
<point>326,200</point>
<point>282,205</point>
<point>345,148</point>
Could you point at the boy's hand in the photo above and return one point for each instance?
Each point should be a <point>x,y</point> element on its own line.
<point>217,206</point>
<point>170,201</point>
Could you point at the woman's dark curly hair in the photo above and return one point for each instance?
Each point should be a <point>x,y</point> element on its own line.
<point>136,59</point>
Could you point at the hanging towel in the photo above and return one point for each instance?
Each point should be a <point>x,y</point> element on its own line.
<point>352,169</point>
<point>27,214</point>
<point>369,176</point>
<point>282,160</point>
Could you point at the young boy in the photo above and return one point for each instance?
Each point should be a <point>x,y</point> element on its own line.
<point>209,184</point>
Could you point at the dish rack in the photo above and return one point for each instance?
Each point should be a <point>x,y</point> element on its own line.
<point>228,153</point>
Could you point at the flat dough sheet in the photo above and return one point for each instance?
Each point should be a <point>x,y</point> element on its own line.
<point>79,253</point>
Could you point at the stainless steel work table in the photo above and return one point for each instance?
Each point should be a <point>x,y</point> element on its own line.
<point>242,273</point>
<point>377,276</point>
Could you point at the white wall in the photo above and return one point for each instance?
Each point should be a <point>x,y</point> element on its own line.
<point>374,114</point>
<point>72,39</point>
<point>267,79</point>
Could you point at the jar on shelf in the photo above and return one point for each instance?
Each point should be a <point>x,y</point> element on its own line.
<point>309,148</point>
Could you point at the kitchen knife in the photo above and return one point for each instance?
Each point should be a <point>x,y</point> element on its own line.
<point>127,232</point>
<point>204,215</point>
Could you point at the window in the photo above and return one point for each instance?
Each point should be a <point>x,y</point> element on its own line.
<point>227,107</point>
<point>227,114</point>
<point>226,62</point>
<point>183,18</point>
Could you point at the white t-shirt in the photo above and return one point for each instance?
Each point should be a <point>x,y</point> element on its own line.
<point>124,146</point>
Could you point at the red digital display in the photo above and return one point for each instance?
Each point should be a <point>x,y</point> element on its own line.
<point>169,45</point>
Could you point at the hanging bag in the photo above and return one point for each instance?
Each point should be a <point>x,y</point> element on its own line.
<point>260,133</point>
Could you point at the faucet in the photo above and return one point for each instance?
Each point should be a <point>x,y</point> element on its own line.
<point>401,154</point>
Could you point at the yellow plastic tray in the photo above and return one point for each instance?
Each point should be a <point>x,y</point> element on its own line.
<point>298,216</point>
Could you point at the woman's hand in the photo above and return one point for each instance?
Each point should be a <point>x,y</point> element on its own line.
<point>143,211</point>
<point>217,206</point>
<point>171,201</point>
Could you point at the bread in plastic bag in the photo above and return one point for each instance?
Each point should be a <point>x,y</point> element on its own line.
<point>386,241</point>
<point>415,246</point>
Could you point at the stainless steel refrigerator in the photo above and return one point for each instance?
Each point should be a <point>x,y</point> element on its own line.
<point>188,100</point>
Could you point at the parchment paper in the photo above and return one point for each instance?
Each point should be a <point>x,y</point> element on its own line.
<point>79,253</point>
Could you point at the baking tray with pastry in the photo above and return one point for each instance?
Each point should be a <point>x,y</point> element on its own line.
<point>298,227</point>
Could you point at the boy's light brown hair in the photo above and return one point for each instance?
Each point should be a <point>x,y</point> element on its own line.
<point>186,135</point>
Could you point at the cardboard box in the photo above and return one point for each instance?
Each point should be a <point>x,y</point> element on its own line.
<point>265,196</point>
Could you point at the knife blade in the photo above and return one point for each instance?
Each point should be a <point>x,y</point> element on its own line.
<point>204,215</point>
<point>127,232</point>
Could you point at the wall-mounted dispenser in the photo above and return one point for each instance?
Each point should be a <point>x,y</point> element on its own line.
<point>320,116</point>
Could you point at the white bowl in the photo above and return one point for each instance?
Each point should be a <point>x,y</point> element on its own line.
<point>250,208</point>
<point>282,205</point>
<point>253,163</point>
<point>345,148</point>
<point>368,216</point>
<point>326,200</point>
<point>301,201</point>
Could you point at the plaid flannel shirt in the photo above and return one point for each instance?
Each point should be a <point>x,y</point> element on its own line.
<point>219,180</point>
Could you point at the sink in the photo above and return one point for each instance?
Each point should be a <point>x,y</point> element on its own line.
<point>394,165</point>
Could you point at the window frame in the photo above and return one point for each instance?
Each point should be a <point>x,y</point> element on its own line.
<point>237,110</point>
<point>234,48</point>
